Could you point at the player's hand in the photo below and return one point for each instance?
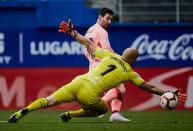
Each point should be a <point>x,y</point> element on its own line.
<point>181,97</point>
<point>66,27</point>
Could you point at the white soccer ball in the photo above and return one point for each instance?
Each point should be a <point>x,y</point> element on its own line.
<point>168,101</point>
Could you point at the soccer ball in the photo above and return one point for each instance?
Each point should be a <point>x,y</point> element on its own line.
<point>168,101</point>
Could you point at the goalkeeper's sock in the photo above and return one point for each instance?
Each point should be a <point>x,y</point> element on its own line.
<point>78,113</point>
<point>38,104</point>
<point>83,113</point>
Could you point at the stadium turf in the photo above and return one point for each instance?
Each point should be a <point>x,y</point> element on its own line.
<point>141,121</point>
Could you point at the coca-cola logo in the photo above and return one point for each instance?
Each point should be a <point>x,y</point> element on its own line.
<point>180,48</point>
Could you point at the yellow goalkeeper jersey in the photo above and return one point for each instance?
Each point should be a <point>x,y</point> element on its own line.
<point>111,71</point>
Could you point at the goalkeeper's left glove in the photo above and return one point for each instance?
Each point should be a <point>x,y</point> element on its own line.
<point>181,97</point>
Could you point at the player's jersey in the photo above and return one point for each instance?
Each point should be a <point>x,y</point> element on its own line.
<point>110,72</point>
<point>100,37</point>
<point>88,88</point>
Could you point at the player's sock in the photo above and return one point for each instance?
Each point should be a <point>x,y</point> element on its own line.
<point>116,105</point>
<point>18,115</point>
<point>38,104</point>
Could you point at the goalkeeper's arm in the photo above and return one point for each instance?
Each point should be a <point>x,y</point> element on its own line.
<point>155,90</point>
<point>68,28</point>
<point>152,89</point>
<point>87,42</point>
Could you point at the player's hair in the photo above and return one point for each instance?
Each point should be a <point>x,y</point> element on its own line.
<point>105,10</point>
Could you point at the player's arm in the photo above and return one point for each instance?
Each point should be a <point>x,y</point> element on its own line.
<point>106,44</point>
<point>69,29</point>
<point>151,88</point>
<point>87,42</point>
<point>155,90</point>
<point>136,79</point>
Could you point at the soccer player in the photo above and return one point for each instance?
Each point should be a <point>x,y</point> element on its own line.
<point>86,89</point>
<point>98,34</point>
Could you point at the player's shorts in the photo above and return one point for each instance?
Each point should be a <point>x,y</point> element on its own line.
<point>100,107</point>
<point>80,90</point>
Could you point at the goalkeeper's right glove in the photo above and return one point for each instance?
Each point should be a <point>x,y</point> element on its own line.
<point>67,28</point>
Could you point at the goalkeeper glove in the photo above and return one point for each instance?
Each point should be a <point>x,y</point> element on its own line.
<point>68,28</point>
<point>181,97</point>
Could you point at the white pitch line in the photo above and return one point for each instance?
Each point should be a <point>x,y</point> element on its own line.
<point>3,121</point>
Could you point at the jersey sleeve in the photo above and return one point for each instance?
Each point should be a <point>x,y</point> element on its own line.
<point>100,53</point>
<point>104,41</point>
<point>92,34</point>
<point>135,78</point>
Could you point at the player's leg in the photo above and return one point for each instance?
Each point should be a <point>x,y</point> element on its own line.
<point>91,110</point>
<point>66,116</point>
<point>117,101</point>
<point>36,105</point>
<point>61,95</point>
<point>115,95</point>
<point>111,95</point>
<point>116,105</point>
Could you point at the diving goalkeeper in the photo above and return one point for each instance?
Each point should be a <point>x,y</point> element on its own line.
<point>87,89</point>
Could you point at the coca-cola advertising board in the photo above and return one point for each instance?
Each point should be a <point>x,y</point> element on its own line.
<point>34,63</point>
<point>157,45</point>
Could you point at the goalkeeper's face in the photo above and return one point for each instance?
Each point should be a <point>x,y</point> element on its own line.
<point>106,20</point>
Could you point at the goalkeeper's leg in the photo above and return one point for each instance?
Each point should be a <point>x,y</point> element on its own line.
<point>61,95</point>
<point>64,94</point>
<point>36,105</point>
<point>87,111</point>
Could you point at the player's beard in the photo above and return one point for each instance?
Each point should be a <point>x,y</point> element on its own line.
<point>106,26</point>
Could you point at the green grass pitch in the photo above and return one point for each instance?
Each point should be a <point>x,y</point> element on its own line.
<point>141,121</point>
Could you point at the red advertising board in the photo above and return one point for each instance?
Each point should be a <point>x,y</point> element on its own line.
<point>20,86</point>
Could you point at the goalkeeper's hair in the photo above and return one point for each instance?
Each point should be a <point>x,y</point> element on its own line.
<point>105,10</point>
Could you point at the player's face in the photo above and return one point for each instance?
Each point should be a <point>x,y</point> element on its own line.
<point>106,20</point>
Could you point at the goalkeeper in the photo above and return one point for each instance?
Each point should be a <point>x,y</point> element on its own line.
<point>86,89</point>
